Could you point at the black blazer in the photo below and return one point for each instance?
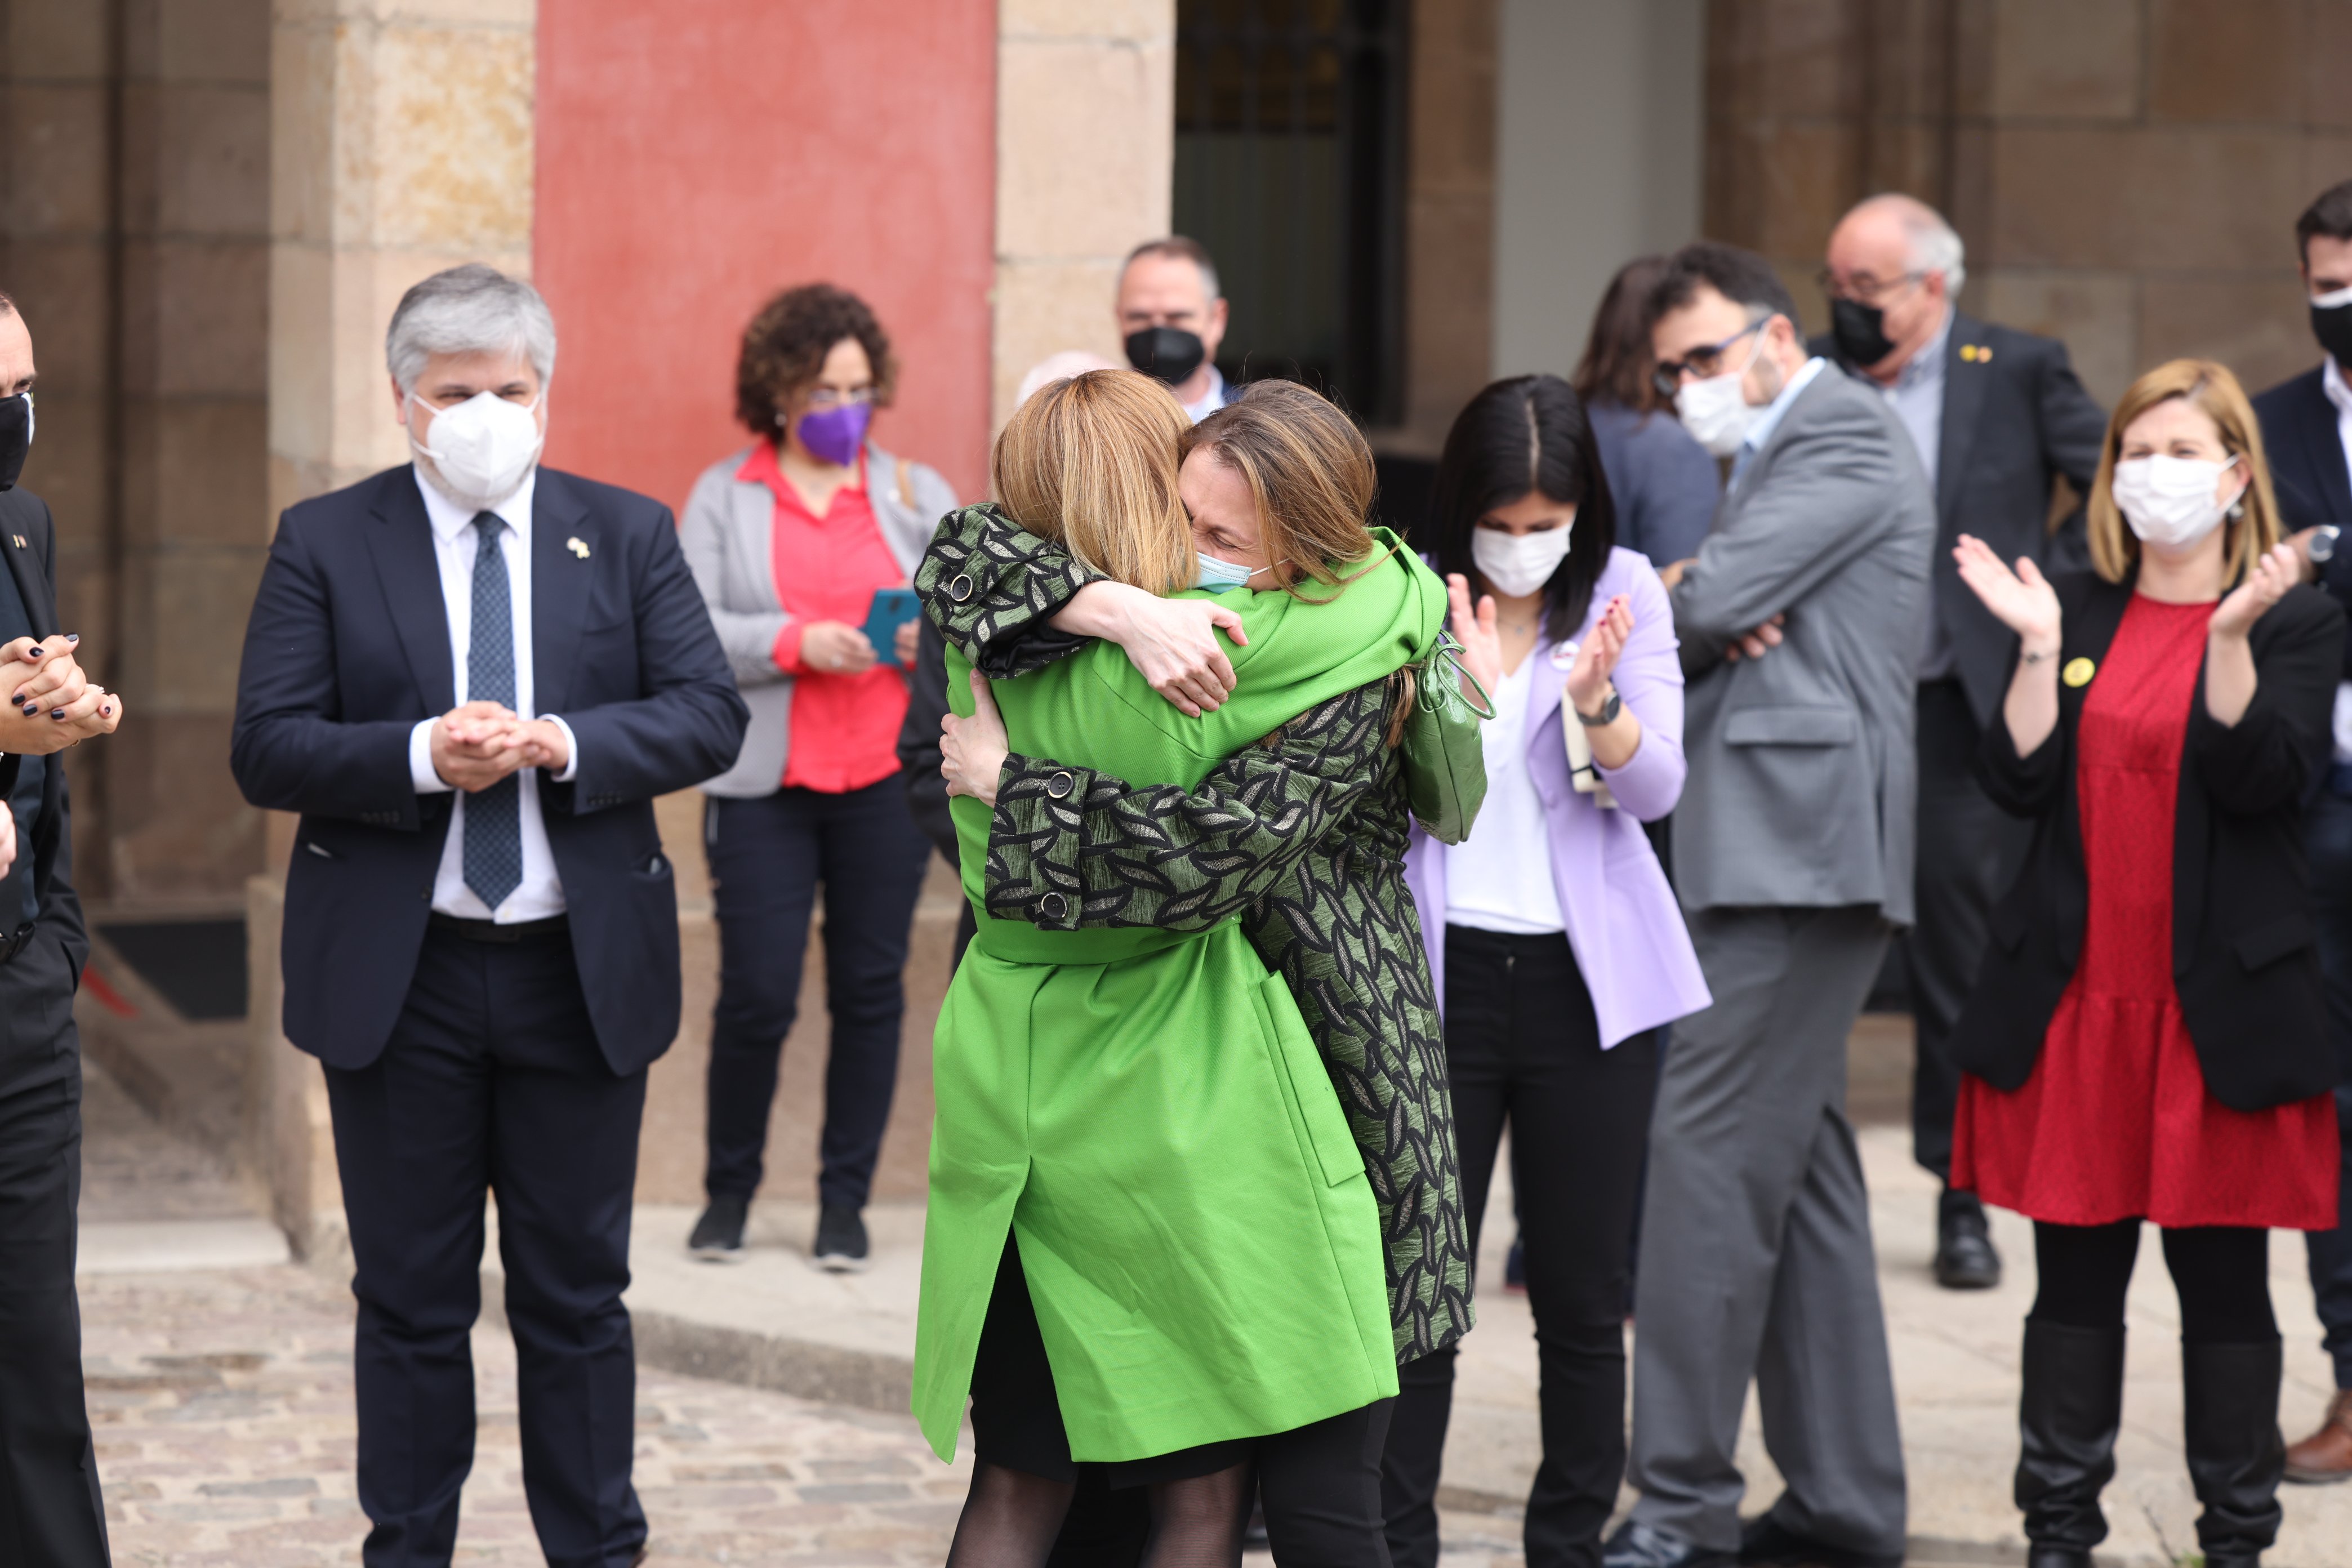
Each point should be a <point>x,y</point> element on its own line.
<point>2243,959</point>
<point>2015,418</point>
<point>28,541</point>
<point>2304,444</point>
<point>349,648</point>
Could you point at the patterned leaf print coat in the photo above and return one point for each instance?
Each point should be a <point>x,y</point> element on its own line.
<point>1302,836</point>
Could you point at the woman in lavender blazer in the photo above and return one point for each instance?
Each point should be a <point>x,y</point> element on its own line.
<point>1556,945</point>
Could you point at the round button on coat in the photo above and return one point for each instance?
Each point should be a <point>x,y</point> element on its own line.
<point>960,588</point>
<point>1061,784</point>
<point>1052,905</point>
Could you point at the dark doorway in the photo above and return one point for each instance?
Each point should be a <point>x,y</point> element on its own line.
<point>1290,168</point>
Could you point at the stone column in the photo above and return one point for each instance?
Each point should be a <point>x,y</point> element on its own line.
<point>401,142</point>
<point>1085,150</point>
<point>1449,275</point>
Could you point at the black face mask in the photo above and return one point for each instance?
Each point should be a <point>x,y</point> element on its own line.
<point>1169,354</point>
<point>15,437</point>
<point>1859,330</point>
<point>2332,325</point>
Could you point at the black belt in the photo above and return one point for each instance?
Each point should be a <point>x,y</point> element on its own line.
<point>490,931</point>
<point>16,941</point>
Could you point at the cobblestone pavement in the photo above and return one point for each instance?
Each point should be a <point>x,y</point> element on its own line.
<point>222,1405</point>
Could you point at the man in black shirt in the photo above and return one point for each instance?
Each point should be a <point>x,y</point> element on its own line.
<point>49,1509</point>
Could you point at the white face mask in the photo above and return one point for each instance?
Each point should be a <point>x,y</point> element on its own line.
<point>2169,500</point>
<point>482,447</point>
<point>1518,564</point>
<point>1717,411</point>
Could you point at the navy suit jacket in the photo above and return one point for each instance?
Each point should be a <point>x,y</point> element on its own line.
<point>2305,443</point>
<point>349,648</point>
<point>2015,418</point>
<point>28,542</point>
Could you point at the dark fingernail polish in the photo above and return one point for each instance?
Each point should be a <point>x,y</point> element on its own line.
<point>56,712</point>
<point>73,636</point>
<point>31,709</point>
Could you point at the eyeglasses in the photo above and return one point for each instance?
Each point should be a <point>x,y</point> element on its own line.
<point>1701,363</point>
<point>834,398</point>
<point>1862,288</point>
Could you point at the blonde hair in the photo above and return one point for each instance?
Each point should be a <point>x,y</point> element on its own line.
<point>2211,389</point>
<point>1090,463</point>
<point>1309,470</point>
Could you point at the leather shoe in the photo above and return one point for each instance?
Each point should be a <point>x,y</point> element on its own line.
<point>1765,1539</point>
<point>2325,1457</point>
<point>1965,1258</point>
<point>1639,1545</point>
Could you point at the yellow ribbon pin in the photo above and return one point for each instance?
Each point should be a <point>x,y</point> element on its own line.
<point>2078,672</point>
<point>577,548</point>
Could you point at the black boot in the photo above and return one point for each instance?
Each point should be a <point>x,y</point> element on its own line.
<point>2067,1418</point>
<point>2230,1396</point>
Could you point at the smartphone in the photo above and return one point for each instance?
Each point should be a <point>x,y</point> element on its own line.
<point>891,609</point>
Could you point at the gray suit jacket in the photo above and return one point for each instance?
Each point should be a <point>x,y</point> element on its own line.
<point>728,534</point>
<point>1803,775</point>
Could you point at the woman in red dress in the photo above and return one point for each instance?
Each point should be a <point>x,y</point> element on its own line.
<point>2146,1040</point>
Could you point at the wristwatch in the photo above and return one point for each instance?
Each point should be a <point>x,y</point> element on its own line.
<point>1608,714</point>
<point>2321,546</point>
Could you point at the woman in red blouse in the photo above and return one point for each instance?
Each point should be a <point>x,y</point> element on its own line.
<point>2146,1041</point>
<point>789,541</point>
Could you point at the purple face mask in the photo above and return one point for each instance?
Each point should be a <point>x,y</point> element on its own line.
<point>835,435</point>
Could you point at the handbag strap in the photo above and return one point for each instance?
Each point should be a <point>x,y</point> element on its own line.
<point>1448,653</point>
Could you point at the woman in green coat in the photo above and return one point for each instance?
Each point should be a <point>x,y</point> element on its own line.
<point>1299,837</point>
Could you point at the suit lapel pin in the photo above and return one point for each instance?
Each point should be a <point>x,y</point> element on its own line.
<point>577,547</point>
<point>2078,672</point>
<point>20,542</point>
<point>1976,353</point>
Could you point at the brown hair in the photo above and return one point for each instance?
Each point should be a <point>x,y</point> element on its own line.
<point>2211,388</point>
<point>1308,468</point>
<point>785,346</point>
<point>1617,360</point>
<point>1090,463</point>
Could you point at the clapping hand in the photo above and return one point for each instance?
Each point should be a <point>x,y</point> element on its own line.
<point>476,744</point>
<point>973,751</point>
<point>1596,656</point>
<point>1482,642</point>
<point>2275,571</point>
<point>2021,600</point>
<point>52,704</point>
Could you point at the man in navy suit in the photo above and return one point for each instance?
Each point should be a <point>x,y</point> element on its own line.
<point>2307,433</point>
<point>471,675</point>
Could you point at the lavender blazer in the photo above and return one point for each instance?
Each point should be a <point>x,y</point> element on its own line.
<point>1624,924</point>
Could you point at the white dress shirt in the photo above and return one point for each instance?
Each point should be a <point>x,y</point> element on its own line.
<point>1500,878</point>
<point>1211,400</point>
<point>456,543</point>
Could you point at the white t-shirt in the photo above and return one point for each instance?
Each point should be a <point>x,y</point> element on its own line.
<point>1500,878</point>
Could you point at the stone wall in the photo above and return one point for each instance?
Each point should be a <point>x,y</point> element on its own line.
<point>1086,140</point>
<point>2126,173</point>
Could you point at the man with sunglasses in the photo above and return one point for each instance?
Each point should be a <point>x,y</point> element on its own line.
<point>1997,417</point>
<point>1792,850</point>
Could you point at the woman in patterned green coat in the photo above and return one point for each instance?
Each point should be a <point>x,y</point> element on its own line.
<point>1199,1259</point>
<point>1302,836</point>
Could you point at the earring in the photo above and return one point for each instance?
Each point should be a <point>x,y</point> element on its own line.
<point>2237,512</point>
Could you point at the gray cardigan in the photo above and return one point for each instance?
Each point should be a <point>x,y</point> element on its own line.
<point>728,533</point>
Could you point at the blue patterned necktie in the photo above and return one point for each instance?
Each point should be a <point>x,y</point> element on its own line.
<point>493,847</point>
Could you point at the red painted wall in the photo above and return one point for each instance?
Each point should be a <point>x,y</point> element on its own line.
<point>695,156</point>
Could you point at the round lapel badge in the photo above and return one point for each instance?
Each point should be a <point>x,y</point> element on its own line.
<point>2078,671</point>
<point>1563,654</point>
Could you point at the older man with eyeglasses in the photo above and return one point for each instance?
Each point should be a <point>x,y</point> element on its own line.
<point>1998,416</point>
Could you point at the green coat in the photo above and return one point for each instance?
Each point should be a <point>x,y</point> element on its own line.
<point>1145,1108</point>
<point>1303,838</point>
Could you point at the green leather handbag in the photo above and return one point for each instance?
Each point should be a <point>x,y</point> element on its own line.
<point>1443,760</point>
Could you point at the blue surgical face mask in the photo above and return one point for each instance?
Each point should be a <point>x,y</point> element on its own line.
<point>1219,575</point>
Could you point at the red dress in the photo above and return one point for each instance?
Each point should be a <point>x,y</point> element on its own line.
<point>2115,1121</point>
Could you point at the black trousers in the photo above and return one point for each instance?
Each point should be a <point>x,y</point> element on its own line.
<point>1319,1485</point>
<point>2327,834</point>
<point>50,1513</point>
<point>1969,851</point>
<point>1522,1047</point>
<point>767,856</point>
<point>492,1083</point>
<point>2221,1273</point>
